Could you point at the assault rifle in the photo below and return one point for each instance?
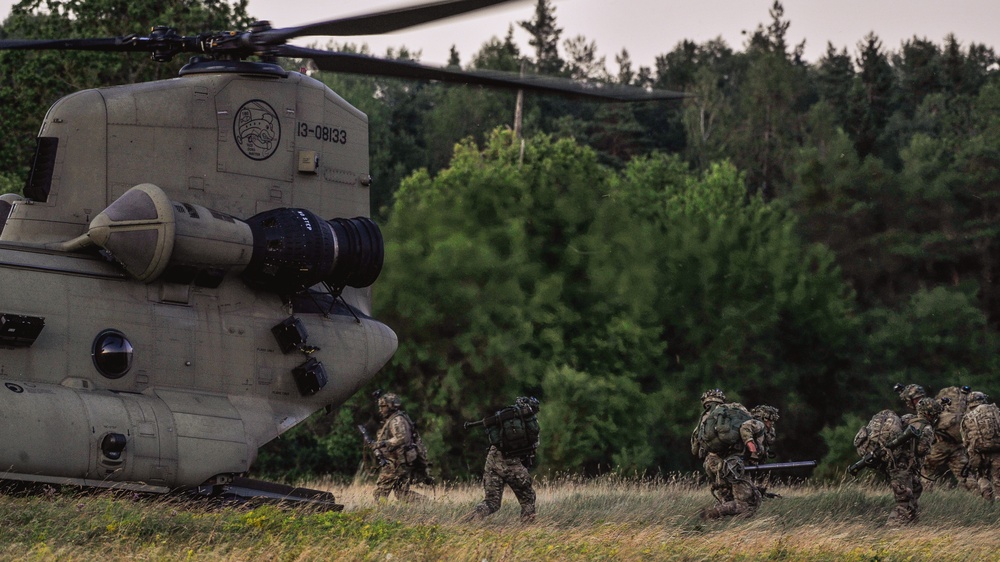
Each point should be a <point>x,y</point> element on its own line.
<point>376,451</point>
<point>880,456</point>
<point>779,465</point>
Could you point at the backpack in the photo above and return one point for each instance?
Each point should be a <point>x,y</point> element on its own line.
<point>416,456</point>
<point>720,432</point>
<point>514,431</point>
<point>981,429</point>
<point>881,429</point>
<point>949,424</point>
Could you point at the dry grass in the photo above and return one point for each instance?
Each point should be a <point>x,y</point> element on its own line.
<point>606,519</point>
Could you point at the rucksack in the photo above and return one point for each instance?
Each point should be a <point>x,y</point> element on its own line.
<point>881,429</point>
<point>416,456</point>
<point>949,423</point>
<point>720,432</point>
<point>513,430</point>
<point>981,429</point>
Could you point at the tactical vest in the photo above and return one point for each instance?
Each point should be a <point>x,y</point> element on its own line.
<point>881,429</point>
<point>720,432</point>
<point>514,431</point>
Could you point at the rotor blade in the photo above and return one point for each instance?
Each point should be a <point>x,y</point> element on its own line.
<point>102,44</point>
<point>361,64</point>
<point>377,23</point>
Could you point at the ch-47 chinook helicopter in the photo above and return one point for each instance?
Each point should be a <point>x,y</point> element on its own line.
<point>188,272</point>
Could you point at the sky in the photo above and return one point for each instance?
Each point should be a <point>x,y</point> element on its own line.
<point>647,28</point>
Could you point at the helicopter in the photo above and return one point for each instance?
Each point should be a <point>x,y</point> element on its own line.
<point>188,273</point>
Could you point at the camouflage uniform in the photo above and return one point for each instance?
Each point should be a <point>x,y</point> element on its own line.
<point>735,494</point>
<point>907,460</point>
<point>984,458</point>
<point>947,454</point>
<point>910,395</point>
<point>501,470</point>
<point>709,400</point>
<point>395,440</point>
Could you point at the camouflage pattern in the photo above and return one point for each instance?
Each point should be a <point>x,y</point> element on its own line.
<point>947,454</point>
<point>910,395</point>
<point>904,468</point>
<point>984,458</point>
<point>713,396</point>
<point>769,415</point>
<point>735,494</point>
<point>709,399</point>
<point>394,440</point>
<point>753,437</point>
<point>500,472</point>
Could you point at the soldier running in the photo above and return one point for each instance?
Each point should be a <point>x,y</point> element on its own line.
<point>513,434</point>
<point>395,441</point>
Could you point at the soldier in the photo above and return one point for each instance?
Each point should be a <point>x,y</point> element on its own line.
<point>907,461</point>
<point>513,434</point>
<point>727,432</point>
<point>947,454</point>
<point>910,394</point>
<point>981,436</point>
<point>396,443</point>
<point>769,415</point>
<point>709,399</point>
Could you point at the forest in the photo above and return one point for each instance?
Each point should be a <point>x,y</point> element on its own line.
<point>798,234</point>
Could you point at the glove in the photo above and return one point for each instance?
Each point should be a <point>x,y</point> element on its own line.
<point>752,447</point>
<point>380,444</point>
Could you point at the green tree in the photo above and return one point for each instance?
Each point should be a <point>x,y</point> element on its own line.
<point>30,81</point>
<point>767,125</point>
<point>545,38</point>
<point>873,99</point>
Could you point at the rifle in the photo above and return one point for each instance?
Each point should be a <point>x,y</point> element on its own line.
<point>377,452</point>
<point>878,457</point>
<point>494,420</point>
<point>763,492</point>
<point>779,465</point>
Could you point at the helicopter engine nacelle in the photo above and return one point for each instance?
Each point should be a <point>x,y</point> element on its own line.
<point>281,250</point>
<point>294,249</point>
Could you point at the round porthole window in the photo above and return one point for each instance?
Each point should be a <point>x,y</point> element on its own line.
<point>112,354</point>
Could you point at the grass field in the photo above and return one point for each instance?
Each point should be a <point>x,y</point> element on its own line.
<point>605,519</point>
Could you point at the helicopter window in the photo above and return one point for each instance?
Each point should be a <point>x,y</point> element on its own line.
<point>40,179</point>
<point>112,353</point>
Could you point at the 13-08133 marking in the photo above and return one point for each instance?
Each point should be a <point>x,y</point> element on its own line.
<point>323,133</point>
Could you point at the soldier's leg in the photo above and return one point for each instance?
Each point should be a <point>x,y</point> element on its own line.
<point>384,484</point>
<point>935,467</point>
<point>492,486</point>
<point>905,512</point>
<point>714,467</point>
<point>519,480</point>
<point>992,475</point>
<point>745,495</point>
<point>957,463</point>
<point>746,500</point>
<point>401,486</point>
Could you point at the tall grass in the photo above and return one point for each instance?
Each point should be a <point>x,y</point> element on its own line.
<point>610,518</point>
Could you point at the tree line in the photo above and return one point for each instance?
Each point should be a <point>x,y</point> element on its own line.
<point>798,234</point>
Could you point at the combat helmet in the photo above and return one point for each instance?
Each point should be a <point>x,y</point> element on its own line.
<point>390,400</point>
<point>910,393</point>
<point>977,398</point>
<point>929,409</point>
<point>765,413</point>
<point>529,403</point>
<point>713,396</point>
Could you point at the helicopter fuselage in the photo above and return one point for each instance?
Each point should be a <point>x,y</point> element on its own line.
<point>157,324</point>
